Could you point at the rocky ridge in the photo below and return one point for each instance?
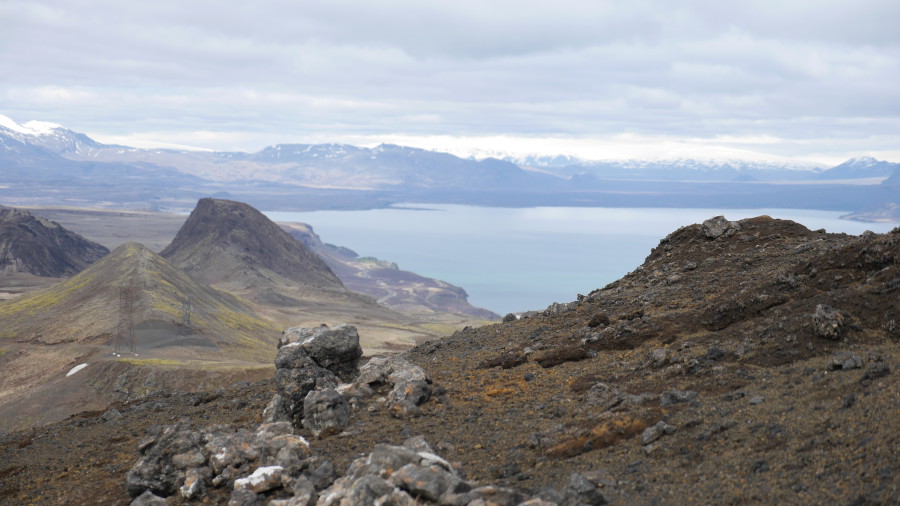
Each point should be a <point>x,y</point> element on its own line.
<point>743,362</point>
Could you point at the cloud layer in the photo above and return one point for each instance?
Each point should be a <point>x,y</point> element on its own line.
<point>796,78</point>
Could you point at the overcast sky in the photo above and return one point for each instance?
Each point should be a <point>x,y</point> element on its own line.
<point>812,79</point>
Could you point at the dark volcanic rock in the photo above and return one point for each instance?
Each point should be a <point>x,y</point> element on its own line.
<point>42,247</point>
<point>223,240</point>
<point>309,359</point>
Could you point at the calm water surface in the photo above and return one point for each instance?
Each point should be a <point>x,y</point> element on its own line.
<point>516,259</point>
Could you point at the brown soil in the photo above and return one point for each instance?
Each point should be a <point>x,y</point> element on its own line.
<point>518,404</point>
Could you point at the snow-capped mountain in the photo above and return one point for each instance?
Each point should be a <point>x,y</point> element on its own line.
<point>683,169</point>
<point>862,167</point>
<point>50,136</point>
<point>45,157</point>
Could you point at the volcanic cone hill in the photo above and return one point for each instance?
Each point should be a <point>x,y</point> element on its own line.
<point>239,250</point>
<point>224,241</point>
<point>88,308</point>
<point>130,309</point>
<point>33,245</point>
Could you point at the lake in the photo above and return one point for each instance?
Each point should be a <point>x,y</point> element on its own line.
<point>517,259</point>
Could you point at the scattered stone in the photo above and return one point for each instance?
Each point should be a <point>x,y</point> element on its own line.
<point>580,490</point>
<point>733,396</point>
<point>194,482</point>
<point>562,355</point>
<point>599,319</point>
<point>653,433</point>
<point>846,361</point>
<point>659,357</point>
<point>759,466</point>
<point>427,482</point>
<point>506,360</point>
<point>828,322</point>
<point>165,454</point>
<point>244,497</point>
<point>510,317</point>
<point>875,371</point>
<point>757,399</point>
<point>677,397</point>
<point>148,498</point>
<point>557,309</point>
<point>111,415</point>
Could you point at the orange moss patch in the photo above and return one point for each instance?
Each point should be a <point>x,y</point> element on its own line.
<point>607,433</point>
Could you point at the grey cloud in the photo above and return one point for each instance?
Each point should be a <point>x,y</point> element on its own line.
<point>468,67</point>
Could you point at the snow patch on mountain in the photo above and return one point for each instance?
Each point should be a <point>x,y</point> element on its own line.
<point>32,128</point>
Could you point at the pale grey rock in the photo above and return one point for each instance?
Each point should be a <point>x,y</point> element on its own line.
<point>148,498</point>
<point>846,361</point>
<point>262,480</point>
<point>654,432</point>
<point>718,226</point>
<point>677,397</point>
<point>580,490</point>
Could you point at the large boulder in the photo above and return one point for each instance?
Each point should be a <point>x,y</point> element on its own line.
<point>336,349</point>
<point>311,359</point>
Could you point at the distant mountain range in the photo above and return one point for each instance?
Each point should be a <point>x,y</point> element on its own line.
<point>44,163</point>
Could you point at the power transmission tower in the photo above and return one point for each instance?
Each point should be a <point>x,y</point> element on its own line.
<point>185,328</point>
<point>125,328</point>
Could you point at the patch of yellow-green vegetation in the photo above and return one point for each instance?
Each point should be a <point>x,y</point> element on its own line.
<point>167,305</point>
<point>46,298</point>
<point>2,351</point>
<point>441,329</point>
<point>372,261</point>
<point>160,362</point>
<point>243,321</point>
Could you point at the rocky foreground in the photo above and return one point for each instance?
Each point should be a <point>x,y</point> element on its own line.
<point>743,362</point>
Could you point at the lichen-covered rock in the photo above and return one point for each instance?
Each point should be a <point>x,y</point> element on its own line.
<point>411,384</point>
<point>405,398</point>
<point>165,456</point>
<point>719,226</point>
<point>389,371</point>
<point>309,359</point>
<point>325,412</point>
<point>828,322</point>
<point>427,482</point>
